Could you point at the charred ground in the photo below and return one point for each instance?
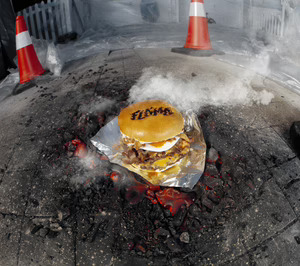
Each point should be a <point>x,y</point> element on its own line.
<point>68,214</point>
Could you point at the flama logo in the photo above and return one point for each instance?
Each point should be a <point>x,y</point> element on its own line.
<point>142,114</point>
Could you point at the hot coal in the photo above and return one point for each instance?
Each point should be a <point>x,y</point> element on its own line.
<point>108,201</point>
<point>147,220</point>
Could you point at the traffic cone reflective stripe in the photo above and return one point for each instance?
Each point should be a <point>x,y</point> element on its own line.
<point>197,9</point>
<point>28,62</point>
<point>198,35</point>
<point>22,40</point>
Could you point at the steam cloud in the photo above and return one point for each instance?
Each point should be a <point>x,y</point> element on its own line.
<point>197,92</point>
<point>99,105</point>
<point>92,168</point>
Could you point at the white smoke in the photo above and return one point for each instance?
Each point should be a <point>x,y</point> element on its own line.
<point>98,105</point>
<point>92,168</point>
<point>198,91</point>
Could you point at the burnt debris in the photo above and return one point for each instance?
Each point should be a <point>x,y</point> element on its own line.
<point>97,202</point>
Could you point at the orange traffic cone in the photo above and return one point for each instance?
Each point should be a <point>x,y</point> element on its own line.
<point>198,40</point>
<point>198,35</point>
<point>29,64</point>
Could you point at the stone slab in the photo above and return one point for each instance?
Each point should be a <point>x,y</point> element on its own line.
<point>242,260</point>
<point>50,116</point>
<point>25,157</point>
<point>287,173</point>
<point>45,196</point>
<point>15,189</point>
<point>251,189</point>
<point>283,249</point>
<point>10,130</point>
<point>38,250</point>
<point>135,261</point>
<point>133,65</point>
<point>244,118</point>
<point>220,244</point>
<point>97,253</point>
<point>274,114</point>
<point>292,191</point>
<point>94,246</point>
<point>221,131</point>
<point>46,117</point>
<point>284,132</point>
<point>259,179</point>
<point>263,219</point>
<point>5,156</point>
<point>269,146</point>
<point>10,227</point>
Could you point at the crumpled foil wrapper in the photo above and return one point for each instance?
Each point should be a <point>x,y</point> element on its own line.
<point>187,173</point>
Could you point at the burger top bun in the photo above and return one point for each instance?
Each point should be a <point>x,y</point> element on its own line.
<point>151,121</point>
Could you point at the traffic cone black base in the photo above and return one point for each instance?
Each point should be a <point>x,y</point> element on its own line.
<point>19,88</point>
<point>192,52</point>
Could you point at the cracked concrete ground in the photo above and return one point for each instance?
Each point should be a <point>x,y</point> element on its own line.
<point>264,231</point>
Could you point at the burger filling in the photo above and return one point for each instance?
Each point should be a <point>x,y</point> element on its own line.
<point>135,155</point>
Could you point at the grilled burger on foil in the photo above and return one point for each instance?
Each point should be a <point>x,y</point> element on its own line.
<point>153,137</point>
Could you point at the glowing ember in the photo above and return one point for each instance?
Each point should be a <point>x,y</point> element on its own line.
<point>135,191</point>
<point>173,199</point>
<point>81,150</point>
<point>114,177</point>
<point>150,193</point>
<point>169,198</point>
<point>77,147</point>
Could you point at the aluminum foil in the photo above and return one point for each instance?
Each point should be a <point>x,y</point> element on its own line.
<point>108,142</point>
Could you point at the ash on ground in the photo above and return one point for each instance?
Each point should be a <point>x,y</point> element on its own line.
<point>127,221</point>
<point>129,218</point>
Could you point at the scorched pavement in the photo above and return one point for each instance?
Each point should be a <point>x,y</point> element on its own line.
<point>58,209</point>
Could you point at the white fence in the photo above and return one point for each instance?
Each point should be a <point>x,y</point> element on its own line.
<point>48,21</point>
<point>269,20</point>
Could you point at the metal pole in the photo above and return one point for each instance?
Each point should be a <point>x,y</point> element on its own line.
<point>282,19</point>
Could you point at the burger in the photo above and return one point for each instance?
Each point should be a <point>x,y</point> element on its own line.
<point>153,137</point>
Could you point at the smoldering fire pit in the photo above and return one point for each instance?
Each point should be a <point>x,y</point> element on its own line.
<point>106,202</point>
<point>158,220</point>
